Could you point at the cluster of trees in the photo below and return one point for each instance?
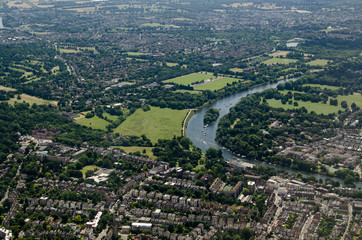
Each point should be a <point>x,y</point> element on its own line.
<point>211,115</point>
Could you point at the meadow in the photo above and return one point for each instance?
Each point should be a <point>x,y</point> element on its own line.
<point>217,84</point>
<point>157,123</point>
<point>279,61</point>
<point>190,78</point>
<point>318,108</point>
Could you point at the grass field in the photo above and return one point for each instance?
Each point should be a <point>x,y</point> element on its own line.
<point>217,84</point>
<point>86,168</point>
<point>110,117</point>
<point>322,86</point>
<point>68,50</point>
<point>30,99</point>
<point>279,61</point>
<point>188,91</point>
<point>318,108</point>
<point>279,53</point>
<point>136,149</point>
<point>236,70</point>
<point>190,78</point>
<point>318,62</point>
<point>7,89</point>
<point>135,53</point>
<point>356,98</point>
<point>157,123</point>
<point>94,122</point>
<point>169,64</point>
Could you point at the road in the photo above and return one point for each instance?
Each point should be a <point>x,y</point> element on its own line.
<point>350,210</point>
<point>306,227</point>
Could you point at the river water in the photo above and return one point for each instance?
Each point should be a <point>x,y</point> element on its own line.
<point>204,138</point>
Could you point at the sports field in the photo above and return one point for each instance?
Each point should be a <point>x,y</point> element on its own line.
<point>157,123</point>
<point>190,78</point>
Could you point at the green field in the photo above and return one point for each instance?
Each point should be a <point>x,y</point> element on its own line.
<point>356,98</point>
<point>322,86</point>
<point>217,84</point>
<point>138,149</point>
<point>190,78</point>
<point>170,64</point>
<point>7,89</point>
<point>157,123</point>
<point>188,91</point>
<point>318,108</point>
<point>30,99</point>
<point>94,122</point>
<point>86,168</point>
<point>279,61</point>
<point>135,53</point>
<point>110,117</point>
<point>318,62</point>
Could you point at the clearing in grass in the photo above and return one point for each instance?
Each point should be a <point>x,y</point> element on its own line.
<point>190,78</point>
<point>217,84</point>
<point>157,123</point>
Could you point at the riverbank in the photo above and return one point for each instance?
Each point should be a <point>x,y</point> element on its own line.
<point>190,113</point>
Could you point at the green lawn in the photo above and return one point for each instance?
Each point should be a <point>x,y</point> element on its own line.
<point>318,62</point>
<point>158,123</point>
<point>94,122</point>
<point>30,99</point>
<point>135,53</point>
<point>188,91</point>
<point>110,117</point>
<point>322,86</point>
<point>136,149</point>
<point>318,108</point>
<point>170,64</point>
<point>86,168</point>
<point>280,61</point>
<point>190,78</point>
<point>356,98</point>
<point>217,84</point>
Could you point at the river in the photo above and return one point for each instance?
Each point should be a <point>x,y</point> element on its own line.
<point>1,23</point>
<point>204,138</point>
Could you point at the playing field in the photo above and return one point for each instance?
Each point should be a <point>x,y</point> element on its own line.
<point>94,122</point>
<point>217,84</point>
<point>190,78</point>
<point>318,108</point>
<point>318,62</point>
<point>157,123</point>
